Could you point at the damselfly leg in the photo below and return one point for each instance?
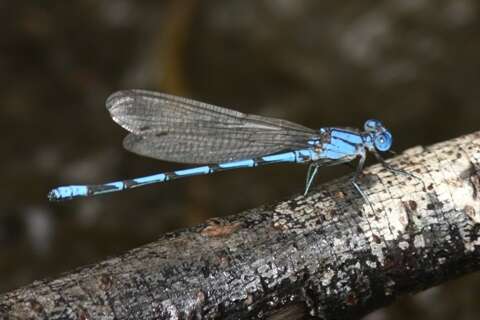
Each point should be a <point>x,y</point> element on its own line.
<point>358,172</point>
<point>311,173</point>
<point>394,170</point>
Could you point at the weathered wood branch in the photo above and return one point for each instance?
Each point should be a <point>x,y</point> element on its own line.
<point>327,255</point>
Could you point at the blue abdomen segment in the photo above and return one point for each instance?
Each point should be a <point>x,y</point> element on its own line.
<point>79,191</point>
<point>249,163</point>
<point>155,177</point>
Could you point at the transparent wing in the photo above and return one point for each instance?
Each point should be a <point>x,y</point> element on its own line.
<point>202,147</point>
<point>181,130</point>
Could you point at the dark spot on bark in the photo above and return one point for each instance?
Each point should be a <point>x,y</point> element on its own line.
<point>430,187</point>
<point>376,238</point>
<point>459,155</point>
<point>413,205</point>
<point>475,182</point>
<point>449,152</point>
<point>160,134</point>
<point>467,173</point>
<point>388,262</point>
<point>82,315</point>
<point>418,170</point>
<point>410,206</point>
<point>220,230</point>
<point>430,206</point>
<point>360,213</point>
<point>291,311</point>
<point>389,182</point>
<point>352,299</point>
<point>475,232</point>
<point>205,271</point>
<point>379,210</point>
<point>320,220</point>
<point>36,306</point>
<point>105,282</point>
<point>145,128</point>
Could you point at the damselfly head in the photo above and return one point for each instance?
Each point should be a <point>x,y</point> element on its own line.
<point>382,138</point>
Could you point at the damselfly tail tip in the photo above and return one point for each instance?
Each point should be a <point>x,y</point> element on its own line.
<point>67,193</point>
<point>54,195</point>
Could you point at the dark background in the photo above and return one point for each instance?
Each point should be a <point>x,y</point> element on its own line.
<point>415,64</point>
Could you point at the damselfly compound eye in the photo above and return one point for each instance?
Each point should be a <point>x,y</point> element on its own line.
<point>383,141</point>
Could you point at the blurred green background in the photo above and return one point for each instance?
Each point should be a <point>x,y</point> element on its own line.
<point>412,63</point>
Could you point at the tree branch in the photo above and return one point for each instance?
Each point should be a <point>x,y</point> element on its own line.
<point>327,255</point>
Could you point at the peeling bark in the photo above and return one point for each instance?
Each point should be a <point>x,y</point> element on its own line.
<point>327,255</point>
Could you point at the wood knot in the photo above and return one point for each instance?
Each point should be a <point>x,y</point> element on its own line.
<point>470,212</point>
<point>475,182</point>
<point>223,261</point>
<point>352,299</point>
<point>220,230</point>
<point>83,315</point>
<point>410,206</point>
<point>339,194</point>
<point>201,297</point>
<point>376,238</point>
<point>280,225</point>
<point>105,282</point>
<point>35,306</point>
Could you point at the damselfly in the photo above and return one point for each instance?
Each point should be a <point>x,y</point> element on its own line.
<point>176,129</point>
